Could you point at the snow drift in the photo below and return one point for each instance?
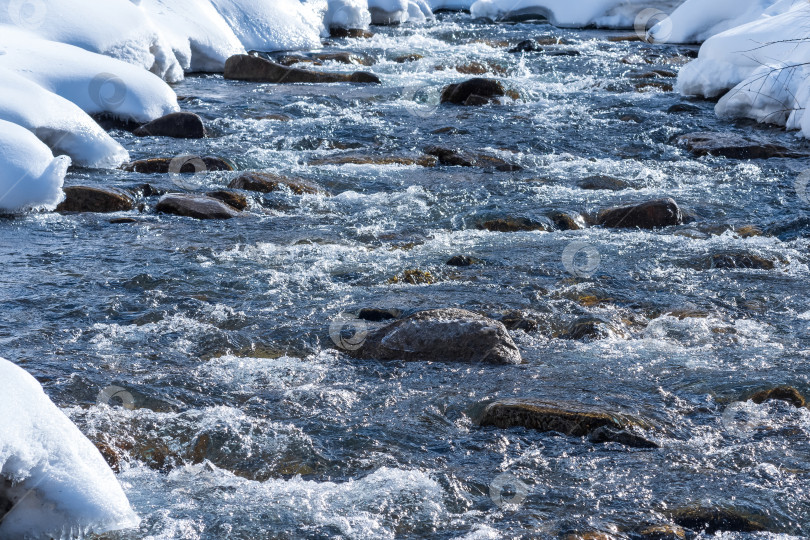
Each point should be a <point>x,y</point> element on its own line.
<point>695,21</point>
<point>59,123</point>
<point>29,175</point>
<point>762,65</point>
<point>568,13</point>
<point>96,83</point>
<point>54,477</point>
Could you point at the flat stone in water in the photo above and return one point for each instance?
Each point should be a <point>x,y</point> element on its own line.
<point>244,67</point>
<point>441,335</point>
<point>647,215</point>
<point>732,145</point>
<point>93,199</point>
<point>195,206</point>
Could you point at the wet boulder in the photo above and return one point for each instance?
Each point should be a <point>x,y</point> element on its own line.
<point>647,215</point>
<point>513,224</point>
<point>662,532</point>
<point>231,198</point>
<point>264,182</point>
<point>478,91</point>
<point>453,157</point>
<point>195,206</point>
<point>568,418</point>
<point>787,394</point>
<point>441,335</point>
<point>712,520</point>
<point>588,328</point>
<point>180,164</point>
<point>567,221</point>
<point>607,434</point>
<point>93,199</point>
<point>738,260</point>
<point>338,32</point>
<point>179,125</point>
<point>602,182</point>
<point>377,315</point>
<point>732,145</point>
<point>460,260</point>
<point>243,67</point>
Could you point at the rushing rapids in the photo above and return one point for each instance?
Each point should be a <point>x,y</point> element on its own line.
<point>243,418</point>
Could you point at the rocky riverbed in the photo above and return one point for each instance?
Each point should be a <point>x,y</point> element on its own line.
<point>503,283</point>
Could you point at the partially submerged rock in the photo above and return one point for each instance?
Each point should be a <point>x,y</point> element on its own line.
<point>478,91</point>
<point>93,199</point>
<point>231,198</point>
<point>513,224</point>
<point>195,206</point>
<point>453,157</point>
<point>732,145</point>
<point>662,532</point>
<point>180,125</point>
<point>243,67</point>
<point>647,215</point>
<point>180,164</point>
<point>712,520</point>
<point>781,393</point>
<point>264,182</point>
<point>441,335</point>
<point>734,260</point>
<point>564,417</point>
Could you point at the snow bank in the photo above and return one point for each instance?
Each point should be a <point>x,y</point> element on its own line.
<point>762,63</point>
<point>347,14</point>
<point>570,13</point>
<point>56,478</point>
<point>695,21</point>
<point>117,28</point>
<point>199,37</point>
<point>29,177</point>
<point>57,122</point>
<point>271,25</point>
<point>97,84</point>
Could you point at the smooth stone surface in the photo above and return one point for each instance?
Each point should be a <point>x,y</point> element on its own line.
<point>195,206</point>
<point>243,67</point>
<point>647,215</point>
<point>442,335</point>
<point>179,125</point>
<point>473,91</point>
<point>181,164</point>
<point>263,182</point>
<point>93,199</point>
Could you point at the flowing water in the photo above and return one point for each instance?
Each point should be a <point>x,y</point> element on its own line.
<point>247,422</point>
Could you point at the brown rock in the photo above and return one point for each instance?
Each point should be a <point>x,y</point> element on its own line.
<point>92,199</point>
<point>510,224</point>
<point>243,67</point>
<point>180,164</point>
<point>180,125</point>
<point>195,206</point>
<point>648,215</point>
<point>663,532</point>
<point>564,417</point>
<point>458,158</point>
<point>231,198</point>
<point>441,335</point>
<point>344,58</point>
<point>474,90</point>
<point>781,393</point>
<point>264,182</point>
<point>740,260</point>
<point>734,146</point>
<point>712,520</point>
<point>354,33</point>
<point>408,58</point>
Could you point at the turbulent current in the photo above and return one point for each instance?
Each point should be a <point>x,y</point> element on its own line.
<point>233,414</point>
